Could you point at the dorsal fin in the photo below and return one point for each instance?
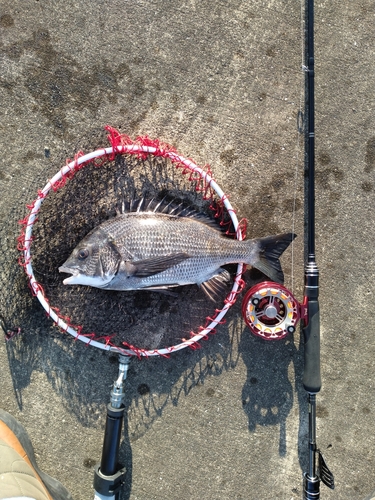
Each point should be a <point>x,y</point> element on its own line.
<point>168,207</point>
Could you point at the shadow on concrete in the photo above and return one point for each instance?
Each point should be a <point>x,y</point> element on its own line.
<point>83,375</point>
<point>267,395</point>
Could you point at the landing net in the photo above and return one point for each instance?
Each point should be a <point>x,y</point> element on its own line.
<point>89,190</point>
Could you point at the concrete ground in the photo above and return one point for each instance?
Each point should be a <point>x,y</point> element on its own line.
<point>221,81</point>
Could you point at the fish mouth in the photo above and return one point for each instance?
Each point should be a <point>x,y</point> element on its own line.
<point>68,270</point>
<point>78,278</point>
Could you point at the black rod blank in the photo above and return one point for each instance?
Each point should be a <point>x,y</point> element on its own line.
<point>310,136</point>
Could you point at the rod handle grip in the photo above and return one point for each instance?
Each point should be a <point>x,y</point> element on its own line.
<point>311,332</point>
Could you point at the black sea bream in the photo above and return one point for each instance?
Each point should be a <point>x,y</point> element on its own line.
<point>154,250</point>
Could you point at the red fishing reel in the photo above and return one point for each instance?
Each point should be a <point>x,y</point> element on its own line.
<point>270,311</point>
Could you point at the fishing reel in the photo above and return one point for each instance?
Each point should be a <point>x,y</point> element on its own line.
<point>271,311</point>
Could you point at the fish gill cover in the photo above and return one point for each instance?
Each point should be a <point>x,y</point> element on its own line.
<point>85,197</point>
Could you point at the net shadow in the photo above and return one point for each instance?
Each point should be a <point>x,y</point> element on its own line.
<point>144,319</point>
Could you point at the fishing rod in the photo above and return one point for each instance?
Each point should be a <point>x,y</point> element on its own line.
<point>311,329</point>
<point>271,311</point>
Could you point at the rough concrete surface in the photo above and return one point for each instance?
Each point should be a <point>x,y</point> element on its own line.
<point>221,81</point>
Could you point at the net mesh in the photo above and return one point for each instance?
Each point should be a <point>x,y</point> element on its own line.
<point>92,189</point>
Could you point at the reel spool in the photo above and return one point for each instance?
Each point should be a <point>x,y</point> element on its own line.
<point>270,311</point>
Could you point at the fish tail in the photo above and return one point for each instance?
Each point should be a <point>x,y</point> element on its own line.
<point>270,250</point>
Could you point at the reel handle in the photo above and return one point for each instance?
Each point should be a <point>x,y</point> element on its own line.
<point>311,332</point>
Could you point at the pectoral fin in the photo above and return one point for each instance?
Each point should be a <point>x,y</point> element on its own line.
<point>155,265</point>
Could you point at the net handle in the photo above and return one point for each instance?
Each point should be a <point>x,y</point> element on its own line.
<point>72,167</point>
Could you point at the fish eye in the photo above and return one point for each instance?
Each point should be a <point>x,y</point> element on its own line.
<point>83,254</point>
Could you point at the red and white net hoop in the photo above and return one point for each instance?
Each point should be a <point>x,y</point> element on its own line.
<point>141,147</point>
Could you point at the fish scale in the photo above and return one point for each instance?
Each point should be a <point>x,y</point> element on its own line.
<point>163,235</point>
<point>153,250</point>
<point>158,234</point>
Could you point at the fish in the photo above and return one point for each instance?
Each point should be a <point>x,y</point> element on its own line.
<point>157,245</point>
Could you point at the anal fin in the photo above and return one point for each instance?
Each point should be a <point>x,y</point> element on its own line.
<point>216,286</point>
